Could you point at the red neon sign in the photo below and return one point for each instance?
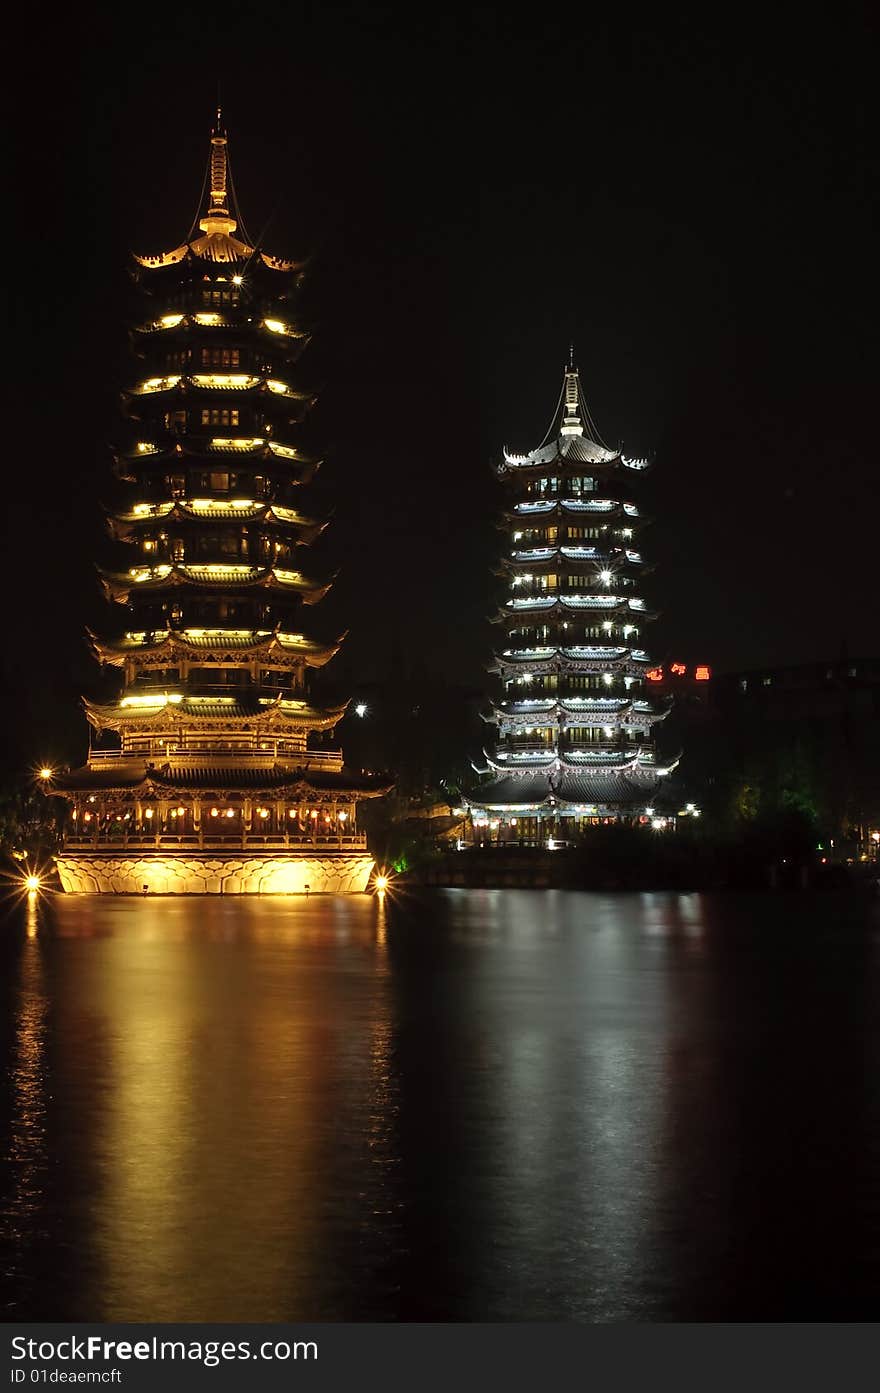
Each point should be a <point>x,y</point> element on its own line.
<point>702,674</point>
<point>679,669</point>
<point>654,674</point>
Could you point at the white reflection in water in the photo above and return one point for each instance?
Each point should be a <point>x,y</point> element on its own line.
<point>577,1033</point>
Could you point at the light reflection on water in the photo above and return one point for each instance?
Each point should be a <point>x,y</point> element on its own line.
<point>488,1104</point>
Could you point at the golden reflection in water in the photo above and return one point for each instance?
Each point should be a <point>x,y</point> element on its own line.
<point>231,1048</point>
<point>381,922</point>
<point>28,1150</point>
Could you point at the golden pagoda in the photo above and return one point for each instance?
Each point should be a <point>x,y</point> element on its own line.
<point>210,783</point>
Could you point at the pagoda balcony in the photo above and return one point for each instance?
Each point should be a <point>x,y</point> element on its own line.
<point>542,600</point>
<point>597,507</point>
<point>211,755</point>
<point>525,748</point>
<point>567,558</point>
<point>210,840</point>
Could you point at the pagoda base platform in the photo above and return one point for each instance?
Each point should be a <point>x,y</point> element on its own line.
<point>328,873</point>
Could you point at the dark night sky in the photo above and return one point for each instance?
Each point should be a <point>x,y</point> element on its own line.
<point>692,206</point>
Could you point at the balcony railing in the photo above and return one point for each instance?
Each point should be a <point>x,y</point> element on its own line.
<point>193,759</point>
<point>220,841</point>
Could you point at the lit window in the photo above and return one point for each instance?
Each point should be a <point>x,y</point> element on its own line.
<point>219,416</point>
<point>221,357</point>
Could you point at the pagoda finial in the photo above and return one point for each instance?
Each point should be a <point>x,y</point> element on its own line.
<point>217,218</point>
<point>571,416</point>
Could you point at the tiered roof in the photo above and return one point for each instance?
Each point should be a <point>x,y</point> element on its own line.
<point>213,580</point>
<point>570,613</point>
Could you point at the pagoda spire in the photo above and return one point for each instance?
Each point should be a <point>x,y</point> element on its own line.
<point>218,218</point>
<point>571,420</point>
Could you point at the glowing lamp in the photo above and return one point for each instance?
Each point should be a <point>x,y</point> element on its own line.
<point>702,673</point>
<point>264,812</point>
<point>87,817</point>
<point>291,812</point>
<point>149,813</point>
<point>513,822</point>
<point>32,882</point>
<point>46,772</point>
<point>381,882</point>
<point>605,577</point>
<point>180,812</point>
<point>343,817</point>
<point>361,709</point>
<point>230,812</point>
<point>237,280</point>
<point>314,813</point>
<point>215,812</point>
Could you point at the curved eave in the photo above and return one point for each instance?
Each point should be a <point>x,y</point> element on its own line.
<point>297,338</point>
<point>121,587</point>
<point>215,246</point>
<point>175,646</point>
<point>633,661</point>
<point>596,718</point>
<point>581,512</point>
<point>559,560</point>
<point>540,605</point>
<point>220,248</point>
<point>561,763</point>
<point>278,263</point>
<point>205,450</point>
<point>619,711</point>
<point>123,526</point>
<point>186,386</point>
<point>159,260</point>
<point>562,449</point>
<point>291,785</point>
<point>174,715</point>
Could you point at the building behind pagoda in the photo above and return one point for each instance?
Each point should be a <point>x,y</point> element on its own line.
<point>575,714</point>
<point>204,776</point>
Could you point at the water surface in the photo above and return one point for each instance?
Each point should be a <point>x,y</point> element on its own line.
<point>474,1105</point>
